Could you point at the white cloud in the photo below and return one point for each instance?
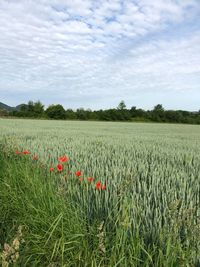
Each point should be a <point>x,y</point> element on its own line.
<point>91,49</point>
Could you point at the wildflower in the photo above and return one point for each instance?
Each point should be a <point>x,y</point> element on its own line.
<point>17,152</point>
<point>103,187</point>
<point>98,185</point>
<point>78,173</point>
<point>63,159</point>
<point>60,167</point>
<point>26,152</point>
<point>90,179</point>
<point>35,158</point>
<point>51,169</point>
<point>80,179</point>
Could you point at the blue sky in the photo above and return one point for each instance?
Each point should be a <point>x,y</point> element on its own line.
<point>92,54</point>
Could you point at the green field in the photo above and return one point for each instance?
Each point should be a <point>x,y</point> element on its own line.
<point>148,215</point>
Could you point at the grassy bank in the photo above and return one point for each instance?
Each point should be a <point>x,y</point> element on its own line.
<point>52,231</point>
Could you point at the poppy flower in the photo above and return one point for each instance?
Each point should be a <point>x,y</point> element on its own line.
<point>78,173</point>
<point>103,187</point>
<point>90,179</point>
<point>63,159</point>
<point>98,185</point>
<point>35,158</point>
<point>17,152</point>
<point>51,169</point>
<point>80,179</point>
<point>26,152</point>
<point>60,167</point>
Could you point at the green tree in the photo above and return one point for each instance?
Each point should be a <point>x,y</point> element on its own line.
<point>30,107</point>
<point>121,105</point>
<point>82,114</point>
<point>38,109</point>
<point>56,112</point>
<point>3,113</point>
<point>70,114</point>
<point>23,108</point>
<point>158,108</point>
<point>158,113</point>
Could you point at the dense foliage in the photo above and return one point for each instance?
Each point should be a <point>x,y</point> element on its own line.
<point>148,215</point>
<point>121,113</point>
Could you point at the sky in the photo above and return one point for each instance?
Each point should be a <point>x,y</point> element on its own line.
<point>95,53</point>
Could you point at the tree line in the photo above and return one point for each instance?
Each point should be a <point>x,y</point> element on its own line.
<point>120,113</point>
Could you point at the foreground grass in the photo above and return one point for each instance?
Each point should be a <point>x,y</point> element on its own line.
<point>50,228</point>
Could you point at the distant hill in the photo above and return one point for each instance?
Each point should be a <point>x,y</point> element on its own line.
<point>8,108</point>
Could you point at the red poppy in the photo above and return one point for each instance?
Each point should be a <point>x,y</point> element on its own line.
<point>35,158</point>
<point>98,185</point>
<point>17,152</point>
<point>78,173</point>
<point>90,179</point>
<point>51,169</point>
<point>63,159</point>
<point>26,152</point>
<point>60,167</point>
<point>103,187</point>
<point>80,179</point>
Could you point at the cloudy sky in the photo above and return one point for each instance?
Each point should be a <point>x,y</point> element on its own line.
<point>94,53</point>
